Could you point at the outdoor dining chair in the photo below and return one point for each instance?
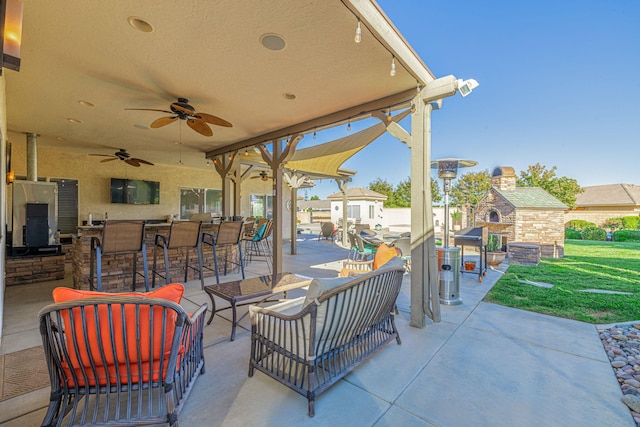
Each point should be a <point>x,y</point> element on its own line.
<point>119,237</point>
<point>183,236</point>
<point>258,245</point>
<point>327,231</point>
<point>228,236</point>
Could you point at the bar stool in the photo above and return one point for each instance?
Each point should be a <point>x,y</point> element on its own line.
<point>119,237</point>
<point>182,235</point>
<point>229,234</point>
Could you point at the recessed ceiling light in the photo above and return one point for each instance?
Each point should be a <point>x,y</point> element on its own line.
<point>72,120</point>
<point>140,24</point>
<point>143,127</point>
<point>177,142</point>
<point>288,96</point>
<point>273,42</point>
<point>60,138</point>
<point>86,103</point>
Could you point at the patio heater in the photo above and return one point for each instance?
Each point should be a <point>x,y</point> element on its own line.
<point>449,257</point>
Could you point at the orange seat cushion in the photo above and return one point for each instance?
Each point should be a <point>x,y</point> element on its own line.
<point>383,255</point>
<point>138,337</point>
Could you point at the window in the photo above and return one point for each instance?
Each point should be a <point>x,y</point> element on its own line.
<point>200,200</point>
<point>494,216</point>
<point>372,212</point>
<point>353,211</point>
<point>261,205</point>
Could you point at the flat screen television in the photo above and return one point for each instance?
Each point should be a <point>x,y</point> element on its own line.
<point>135,191</point>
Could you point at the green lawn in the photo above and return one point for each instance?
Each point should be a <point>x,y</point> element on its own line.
<point>611,266</point>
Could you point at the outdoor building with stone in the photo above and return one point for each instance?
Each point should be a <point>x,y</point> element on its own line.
<point>527,215</point>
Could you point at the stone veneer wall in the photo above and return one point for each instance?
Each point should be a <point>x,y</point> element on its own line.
<point>545,227</point>
<point>32,269</point>
<point>508,216</point>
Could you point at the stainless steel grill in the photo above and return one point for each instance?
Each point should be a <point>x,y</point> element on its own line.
<point>473,236</point>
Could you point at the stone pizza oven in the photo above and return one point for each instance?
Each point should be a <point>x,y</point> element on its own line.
<point>527,215</point>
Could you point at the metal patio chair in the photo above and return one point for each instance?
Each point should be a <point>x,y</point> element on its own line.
<point>182,236</point>
<point>228,236</point>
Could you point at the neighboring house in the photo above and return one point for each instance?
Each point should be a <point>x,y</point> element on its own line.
<point>363,205</point>
<point>319,210</point>
<point>522,214</point>
<point>598,203</point>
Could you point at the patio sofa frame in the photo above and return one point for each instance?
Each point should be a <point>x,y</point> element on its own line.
<point>311,342</point>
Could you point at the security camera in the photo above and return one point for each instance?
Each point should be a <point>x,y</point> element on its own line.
<point>465,87</point>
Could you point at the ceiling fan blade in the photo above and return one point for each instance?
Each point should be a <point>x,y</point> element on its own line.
<point>163,121</point>
<point>102,155</point>
<point>133,162</point>
<point>149,109</point>
<point>200,126</point>
<point>214,120</point>
<point>108,160</point>
<point>144,162</point>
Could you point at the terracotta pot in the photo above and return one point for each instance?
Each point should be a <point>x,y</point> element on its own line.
<point>470,265</point>
<point>494,259</point>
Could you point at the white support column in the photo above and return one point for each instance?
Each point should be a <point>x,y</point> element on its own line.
<point>424,280</point>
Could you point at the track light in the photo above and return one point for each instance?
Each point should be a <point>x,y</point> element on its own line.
<point>392,73</point>
<point>358,36</point>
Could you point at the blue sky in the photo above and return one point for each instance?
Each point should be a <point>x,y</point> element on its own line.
<point>559,86</point>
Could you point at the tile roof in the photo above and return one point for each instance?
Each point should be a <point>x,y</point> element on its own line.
<point>316,205</point>
<point>531,197</point>
<point>358,193</point>
<point>609,195</point>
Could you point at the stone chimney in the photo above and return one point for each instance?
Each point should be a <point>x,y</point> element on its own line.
<point>503,178</point>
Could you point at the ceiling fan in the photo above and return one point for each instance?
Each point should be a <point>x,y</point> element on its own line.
<point>263,176</point>
<point>184,111</point>
<point>122,154</point>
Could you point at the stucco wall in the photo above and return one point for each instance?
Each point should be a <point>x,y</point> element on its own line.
<point>94,183</point>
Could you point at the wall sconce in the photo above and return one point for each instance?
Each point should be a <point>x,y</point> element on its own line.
<point>11,176</point>
<point>11,30</point>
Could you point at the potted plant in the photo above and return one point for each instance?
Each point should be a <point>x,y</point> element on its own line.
<point>495,255</point>
<point>469,265</point>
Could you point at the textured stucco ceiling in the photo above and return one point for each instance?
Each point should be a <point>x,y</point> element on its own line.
<point>207,51</point>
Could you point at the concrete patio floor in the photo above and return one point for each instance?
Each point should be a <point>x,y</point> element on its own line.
<point>482,365</point>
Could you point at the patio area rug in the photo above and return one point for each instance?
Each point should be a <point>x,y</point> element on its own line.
<point>22,372</point>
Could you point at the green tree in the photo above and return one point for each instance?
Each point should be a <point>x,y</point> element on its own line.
<point>382,186</point>
<point>470,188</point>
<point>315,198</point>
<point>562,188</point>
<point>436,195</point>
<point>402,194</point>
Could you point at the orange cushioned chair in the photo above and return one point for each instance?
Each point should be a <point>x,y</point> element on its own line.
<point>116,349</point>
<point>383,255</point>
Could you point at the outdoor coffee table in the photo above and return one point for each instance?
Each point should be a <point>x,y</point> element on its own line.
<point>252,289</point>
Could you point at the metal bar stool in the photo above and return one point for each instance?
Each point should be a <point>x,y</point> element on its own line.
<point>229,234</point>
<point>119,237</point>
<point>182,235</point>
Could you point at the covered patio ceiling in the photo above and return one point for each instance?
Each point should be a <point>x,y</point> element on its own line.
<point>76,52</point>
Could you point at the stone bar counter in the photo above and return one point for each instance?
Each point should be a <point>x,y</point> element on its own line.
<point>116,269</point>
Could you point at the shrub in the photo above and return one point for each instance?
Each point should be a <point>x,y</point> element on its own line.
<point>613,224</point>
<point>572,233</point>
<point>631,222</point>
<point>623,223</point>
<point>580,224</point>
<point>494,243</point>
<point>594,233</point>
<point>626,236</point>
